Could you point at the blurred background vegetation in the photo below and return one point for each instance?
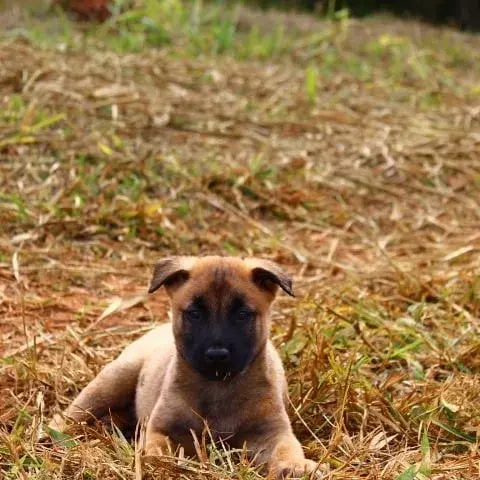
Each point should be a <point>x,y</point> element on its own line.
<point>464,14</point>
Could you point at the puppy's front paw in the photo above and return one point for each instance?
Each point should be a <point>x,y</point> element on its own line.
<point>157,445</point>
<point>299,469</point>
<point>154,451</point>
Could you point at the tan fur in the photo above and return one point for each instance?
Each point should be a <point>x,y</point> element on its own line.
<point>249,409</point>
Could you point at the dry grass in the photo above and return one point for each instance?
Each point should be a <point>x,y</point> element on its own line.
<point>356,167</point>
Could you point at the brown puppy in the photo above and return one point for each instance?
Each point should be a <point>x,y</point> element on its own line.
<point>216,365</point>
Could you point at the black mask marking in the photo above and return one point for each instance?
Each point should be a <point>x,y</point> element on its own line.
<point>219,338</point>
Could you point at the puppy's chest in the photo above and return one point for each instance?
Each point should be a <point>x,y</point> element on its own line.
<point>223,415</point>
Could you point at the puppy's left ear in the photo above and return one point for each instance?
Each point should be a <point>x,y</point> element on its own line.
<point>269,276</point>
<point>171,272</point>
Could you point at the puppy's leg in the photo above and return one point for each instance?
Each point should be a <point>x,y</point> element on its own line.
<point>170,426</point>
<point>287,459</point>
<point>157,444</point>
<point>278,447</point>
<point>112,389</point>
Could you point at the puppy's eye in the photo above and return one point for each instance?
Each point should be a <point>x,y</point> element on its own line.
<point>192,315</point>
<point>245,315</point>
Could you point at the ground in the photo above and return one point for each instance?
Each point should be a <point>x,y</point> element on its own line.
<point>347,151</point>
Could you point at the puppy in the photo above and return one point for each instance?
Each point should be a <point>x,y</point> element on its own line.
<point>214,364</point>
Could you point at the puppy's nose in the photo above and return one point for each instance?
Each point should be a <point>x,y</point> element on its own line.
<point>217,354</point>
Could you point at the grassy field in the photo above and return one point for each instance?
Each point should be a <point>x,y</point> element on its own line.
<point>348,151</point>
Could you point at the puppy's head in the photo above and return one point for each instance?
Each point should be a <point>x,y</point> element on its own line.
<point>220,309</point>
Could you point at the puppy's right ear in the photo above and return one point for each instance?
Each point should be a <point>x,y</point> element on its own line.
<point>171,272</point>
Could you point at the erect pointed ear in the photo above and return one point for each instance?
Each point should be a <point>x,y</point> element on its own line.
<point>269,276</point>
<point>172,271</point>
